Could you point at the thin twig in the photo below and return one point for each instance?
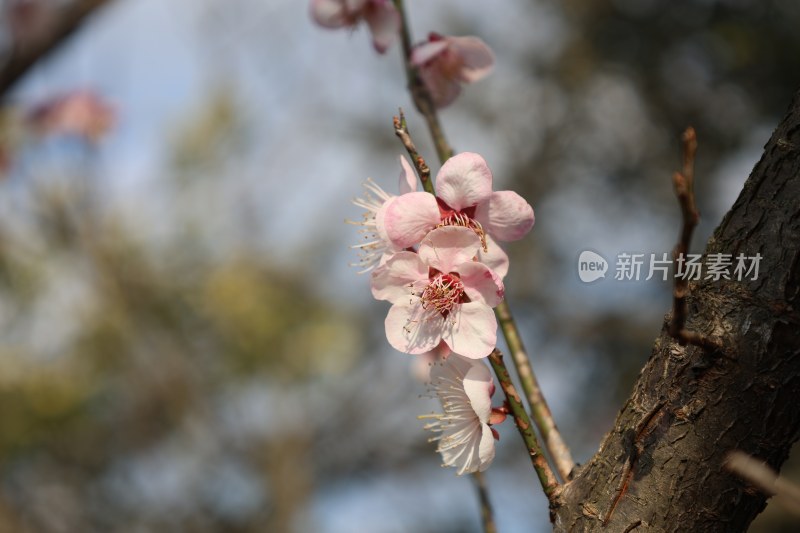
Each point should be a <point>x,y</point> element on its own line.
<point>765,479</point>
<point>683,182</point>
<point>559,451</point>
<point>546,475</point>
<point>487,514</point>
<point>419,94</point>
<point>423,171</point>
<point>23,58</point>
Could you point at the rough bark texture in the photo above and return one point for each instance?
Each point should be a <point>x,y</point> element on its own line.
<point>660,468</point>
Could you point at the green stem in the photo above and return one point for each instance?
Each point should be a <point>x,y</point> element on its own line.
<point>545,474</point>
<point>540,411</point>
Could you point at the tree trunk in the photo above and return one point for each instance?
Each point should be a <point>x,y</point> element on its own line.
<point>660,468</point>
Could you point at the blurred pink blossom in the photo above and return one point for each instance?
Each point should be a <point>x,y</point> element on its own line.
<point>445,63</point>
<point>380,15</point>
<point>80,113</point>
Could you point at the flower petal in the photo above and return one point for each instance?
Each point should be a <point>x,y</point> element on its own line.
<point>422,366</point>
<point>477,57</point>
<point>495,257</point>
<point>391,281</point>
<point>447,247</point>
<point>412,329</point>
<point>410,217</point>
<point>380,222</point>
<point>472,330</point>
<point>480,283</point>
<point>443,89</point>
<point>384,23</point>
<point>486,449</point>
<point>464,181</point>
<point>408,177</point>
<point>423,53</point>
<point>506,216</point>
<point>329,13</point>
<point>477,386</point>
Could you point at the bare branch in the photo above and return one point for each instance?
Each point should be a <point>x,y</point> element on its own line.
<point>546,475</point>
<point>684,190</point>
<point>423,171</point>
<point>763,477</point>
<point>22,59</point>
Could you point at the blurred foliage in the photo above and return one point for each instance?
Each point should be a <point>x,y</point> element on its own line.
<point>112,350</point>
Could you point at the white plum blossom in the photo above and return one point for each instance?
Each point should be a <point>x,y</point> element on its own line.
<point>464,198</point>
<point>440,294</point>
<point>464,388</point>
<point>375,247</point>
<point>445,63</point>
<point>381,16</point>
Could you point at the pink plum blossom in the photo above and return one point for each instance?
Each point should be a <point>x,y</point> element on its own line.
<point>440,294</point>
<point>464,198</point>
<point>380,15</point>
<point>375,247</point>
<point>464,387</point>
<point>447,62</point>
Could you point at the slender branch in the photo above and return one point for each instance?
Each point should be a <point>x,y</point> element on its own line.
<point>683,182</point>
<point>559,451</point>
<point>487,514</point>
<point>419,94</point>
<point>423,171</point>
<point>546,475</point>
<point>542,416</point>
<point>765,479</point>
<point>22,59</point>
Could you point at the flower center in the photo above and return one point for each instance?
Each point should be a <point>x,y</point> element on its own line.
<point>458,218</point>
<point>443,293</point>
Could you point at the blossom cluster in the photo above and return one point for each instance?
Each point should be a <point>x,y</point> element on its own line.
<point>435,259</point>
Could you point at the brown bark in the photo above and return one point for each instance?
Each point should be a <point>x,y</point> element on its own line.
<point>22,58</point>
<point>660,468</point>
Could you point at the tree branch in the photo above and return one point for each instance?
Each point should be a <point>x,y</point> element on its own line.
<point>765,479</point>
<point>22,59</point>
<point>487,513</point>
<point>661,466</point>
<point>684,190</point>
<point>419,94</point>
<point>423,171</point>
<point>559,451</point>
<point>546,476</point>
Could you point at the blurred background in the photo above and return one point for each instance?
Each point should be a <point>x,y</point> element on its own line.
<point>183,346</point>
